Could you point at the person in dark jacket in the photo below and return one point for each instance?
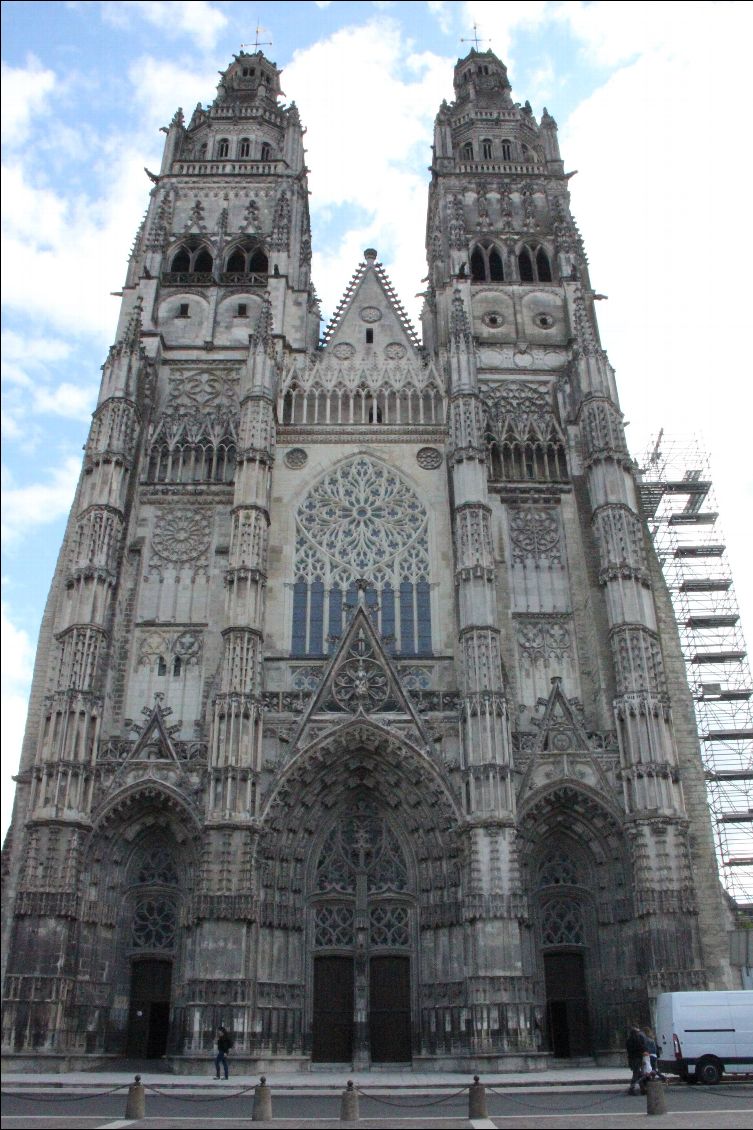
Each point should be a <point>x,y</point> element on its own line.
<point>635,1046</point>
<point>224,1044</point>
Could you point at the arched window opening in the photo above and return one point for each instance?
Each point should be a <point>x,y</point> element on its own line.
<point>266,151</point>
<point>543,267</point>
<point>244,147</point>
<point>223,147</point>
<point>486,148</point>
<point>161,665</point>
<point>181,261</point>
<point>506,149</point>
<point>525,265</point>
<point>467,151</point>
<point>496,272</point>
<point>203,151</point>
<point>176,666</point>
<point>486,263</point>
<point>259,263</point>
<point>245,263</point>
<point>202,264</point>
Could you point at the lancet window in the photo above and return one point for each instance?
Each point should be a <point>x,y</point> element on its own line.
<point>486,263</point>
<point>534,264</point>
<point>361,526</point>
<point>191,263</point>
<point>192,448</point>
<point>247,262</point>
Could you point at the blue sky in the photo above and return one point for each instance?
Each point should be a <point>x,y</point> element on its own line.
<point>650,104</point>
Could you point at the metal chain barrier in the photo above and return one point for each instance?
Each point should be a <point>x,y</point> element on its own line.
<point>567,1110</point>
<point>411,1106</point>
<point>219,1092</point>
<point>65,1098</point>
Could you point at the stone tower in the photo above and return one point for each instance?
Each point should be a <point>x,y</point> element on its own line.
<point>359,722</point>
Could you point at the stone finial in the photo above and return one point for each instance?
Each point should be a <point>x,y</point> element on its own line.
<point>459,327</point>
<point>370,254</point>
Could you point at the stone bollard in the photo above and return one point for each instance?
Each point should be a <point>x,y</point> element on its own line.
<point>656,1097</point>
<point>349,1104</point>
<point>262,1111</point>
<point>477,1100</point>
<point>135,1102</point>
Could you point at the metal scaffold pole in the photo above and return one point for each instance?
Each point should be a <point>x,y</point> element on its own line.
<point>678,502</point>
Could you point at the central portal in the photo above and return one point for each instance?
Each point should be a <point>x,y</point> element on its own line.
<point>361,915</point>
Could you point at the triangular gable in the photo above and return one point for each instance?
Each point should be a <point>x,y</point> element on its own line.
<point>360,681</point>
<point>370,303</point>
<point>155,740</point>
<point>560,729</point>
<point>562,739</point>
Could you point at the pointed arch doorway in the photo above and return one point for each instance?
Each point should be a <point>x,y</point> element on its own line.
<point>362,928</point>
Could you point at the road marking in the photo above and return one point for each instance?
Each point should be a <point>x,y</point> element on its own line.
<point>482,1124</point>
<point>117,1125</point>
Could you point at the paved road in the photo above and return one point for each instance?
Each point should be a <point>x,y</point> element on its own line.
<point>726,1106</point>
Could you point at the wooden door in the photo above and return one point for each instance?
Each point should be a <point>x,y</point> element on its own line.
<point>389,1009</point>
<point>567,1004</point>
<point>332,1036</point>
<point>149,1016</point>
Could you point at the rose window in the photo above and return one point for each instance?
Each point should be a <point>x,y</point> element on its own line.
<point>154,923</point>
<point>362,526</point>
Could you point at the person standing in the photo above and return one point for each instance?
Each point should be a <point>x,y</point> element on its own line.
<point>224,1044</point>
<point>635,1046</point>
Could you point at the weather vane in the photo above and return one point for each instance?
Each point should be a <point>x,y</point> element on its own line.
<point>474,39</point>
<point>258,42</point>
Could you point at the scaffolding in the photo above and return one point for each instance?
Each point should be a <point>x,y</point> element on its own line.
<point>678,502</point>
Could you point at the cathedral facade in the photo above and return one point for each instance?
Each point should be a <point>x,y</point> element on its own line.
<point>359,721</point>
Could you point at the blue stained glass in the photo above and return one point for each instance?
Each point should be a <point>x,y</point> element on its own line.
<point>316,619</point>
<point>300,602</point>
<point>423,604</point>
<point>407,641</point>
<point>388,618</point>
<point>335,615</point>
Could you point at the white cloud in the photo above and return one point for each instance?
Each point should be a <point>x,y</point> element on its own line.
<point>159,86</point>
<point>498,23</point>
<point>369,132</point>
<point>653,209</point>
<point>200,21</point>
<point>38,504</point>
<point>25,94</point>
<point>441,11</point>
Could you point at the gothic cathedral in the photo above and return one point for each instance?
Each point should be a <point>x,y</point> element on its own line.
<point>359,721</point>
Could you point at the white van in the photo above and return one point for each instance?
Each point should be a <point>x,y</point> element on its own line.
<point>704,1035</point>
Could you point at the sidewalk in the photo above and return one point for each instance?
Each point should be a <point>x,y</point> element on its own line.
<point>321,1082</point>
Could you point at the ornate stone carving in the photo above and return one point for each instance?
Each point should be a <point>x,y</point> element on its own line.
<point>181,534</point>
<point>543,640</point>
<point>154,924</point>
<point>296,458</point>
<point>562,923</point>
<point>198,390</point>
<point>429,458</point>
<point>361,843</point>
<point>333,926</point>
<point>394,351</point>
<point>370,314</point>
<point>535,534</point>
<point>344,351</point>
<point>362,521</point>
<point>389,925</point>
